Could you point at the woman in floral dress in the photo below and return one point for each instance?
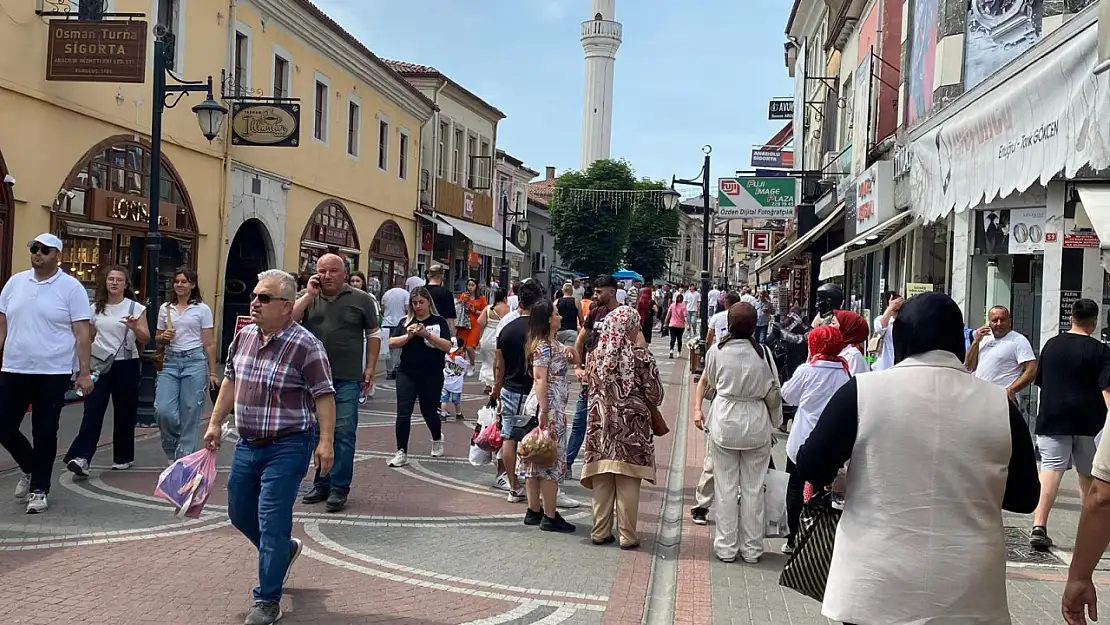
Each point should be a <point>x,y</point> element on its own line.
<point>548,401</point>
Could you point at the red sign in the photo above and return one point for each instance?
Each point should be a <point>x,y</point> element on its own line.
<point>759,241</point>
<point>427,238</point>
<point>241,322</point>
<point>468,205</point>
<point>1082,239</point>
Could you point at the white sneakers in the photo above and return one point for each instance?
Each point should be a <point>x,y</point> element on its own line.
<point>121,466</point>
<point>563,501</point>
<point>437,447</point>
<point>36,502</point>
<point>502,482</point>
<point>399,459</point>
<point>78,467</point>
<point>23,487</point>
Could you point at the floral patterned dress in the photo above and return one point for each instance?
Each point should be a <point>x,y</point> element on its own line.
<point>558,391</point>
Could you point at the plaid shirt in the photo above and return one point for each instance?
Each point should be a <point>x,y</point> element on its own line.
<point>277,381</point>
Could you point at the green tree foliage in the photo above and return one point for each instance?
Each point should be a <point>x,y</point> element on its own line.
<point>590,229</point>
<point>646,250</point>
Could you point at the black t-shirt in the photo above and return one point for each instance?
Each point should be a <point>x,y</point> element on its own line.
<point>419,358</point>
<point>511,343</point>
<point>596,316</point>
<point>1072,371</point>
<point>568,310</point>
<point>444,301</point>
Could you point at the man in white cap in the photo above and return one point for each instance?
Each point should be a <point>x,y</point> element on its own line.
<point>45,335</point>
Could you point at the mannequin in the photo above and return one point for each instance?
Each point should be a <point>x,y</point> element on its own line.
<point>830,297</point>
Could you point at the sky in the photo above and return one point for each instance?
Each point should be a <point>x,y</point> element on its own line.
<point>688,73</point>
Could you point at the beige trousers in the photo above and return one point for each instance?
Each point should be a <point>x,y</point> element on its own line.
<point>703,494</point>
<point>623,492</point>
<point>740,524</point>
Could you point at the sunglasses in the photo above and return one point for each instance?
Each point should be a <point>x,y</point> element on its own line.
<point>37,248</point>
<point>266,298</point>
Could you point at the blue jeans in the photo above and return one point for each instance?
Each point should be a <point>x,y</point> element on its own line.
<point>346,427</point>
<point>761,334</point>
<point>179,401</point>
<point>577,429</point>
<point>261,489</point>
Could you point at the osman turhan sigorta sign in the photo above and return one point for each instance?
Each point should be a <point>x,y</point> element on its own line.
<point>97,51</point>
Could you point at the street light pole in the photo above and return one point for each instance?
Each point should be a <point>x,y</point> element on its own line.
<point>504,282</point>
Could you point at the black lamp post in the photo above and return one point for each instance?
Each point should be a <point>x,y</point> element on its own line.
<point>671,201</point>
<point>522,223</point>
<point>210,115</point>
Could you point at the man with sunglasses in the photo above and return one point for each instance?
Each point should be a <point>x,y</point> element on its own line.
<point>341,317</point>
<point>278,380</point>
<point>45,336</point>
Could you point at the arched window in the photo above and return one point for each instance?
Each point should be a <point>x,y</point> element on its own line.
<point>330,229</point>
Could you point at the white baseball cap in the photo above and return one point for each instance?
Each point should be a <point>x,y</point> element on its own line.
<point>48,240</point>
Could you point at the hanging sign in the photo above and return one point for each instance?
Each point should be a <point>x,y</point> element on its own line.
<point>759,241</point>
<point>468,205</point>
<point>780,109</point>
<point>772,158</point>
<point>266,124</point>
<point>96,51</point>
<point>755,198</point>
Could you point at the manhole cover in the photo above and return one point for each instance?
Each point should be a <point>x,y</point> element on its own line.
<point>1019,551</point>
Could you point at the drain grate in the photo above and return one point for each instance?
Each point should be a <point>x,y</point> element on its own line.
<point>1019,551</point>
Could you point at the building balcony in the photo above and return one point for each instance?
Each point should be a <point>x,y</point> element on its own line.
<point>453,201</point>
<point>602,29</point>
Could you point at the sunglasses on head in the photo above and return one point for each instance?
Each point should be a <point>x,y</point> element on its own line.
<point>266,298</point>
<point>37,248</point>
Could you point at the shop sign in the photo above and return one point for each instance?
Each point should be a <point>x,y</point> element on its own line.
<point>755,198</point>
<point>780,109</point>
<point>96,51</point>
<point>917,288</point>
<point>130,210</point>
<point>266,124</point>
<point>468,205</point>
<point>334,236</point>
<point>1027,230</point>
<point>772,158</point>
<point>1085,240</point>
<point>427,238</point>
<point>1067,299</point>
<point>474,259</point>
<point>759,241</point>
<point>392,249</point>
<point>874,196</point>
<point>241,322</point>
<point>901,161</point>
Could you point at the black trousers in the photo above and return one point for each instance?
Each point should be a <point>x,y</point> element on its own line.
<point>676,337</point>
<point>45,395</point>
<point>646,328</point>
<point>425,389</point>
<point>795,493</point>
<point>120,384</point>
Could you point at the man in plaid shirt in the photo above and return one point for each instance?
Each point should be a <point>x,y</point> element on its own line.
<point>278,380</point>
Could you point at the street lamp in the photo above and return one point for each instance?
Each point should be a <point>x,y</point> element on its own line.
<point>522,222</point>
<point>210,116</point>
<point>671,201</point>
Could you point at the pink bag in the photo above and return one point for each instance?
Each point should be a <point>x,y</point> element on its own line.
<point>188,482</point>
<point>489,439</point>
<point>539,448</point>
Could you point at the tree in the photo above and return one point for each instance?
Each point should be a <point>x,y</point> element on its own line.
<point>646,251</point>
<point>590,226</point>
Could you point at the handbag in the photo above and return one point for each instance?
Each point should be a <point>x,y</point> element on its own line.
<point>101,364</point>
<point>659,425</point>
<point>158,358</point>
<point>462,317</point>
<point>807,570</point>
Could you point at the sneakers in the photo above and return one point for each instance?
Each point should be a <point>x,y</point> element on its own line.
<point>459,416</point>
<point>78,467</point>
<point>36,502</point>
<point>444,415</point>
<point>502,482</point>
<point>336,501</point>
<point>121,466</point>
<point>670,355</point>
<point>750,560</point>
<point>1039,539</point>
<point>516,496</point>
<point>314,496</point>
<point>557,524</point>
<point>437,447</point>
<point>23,487</point>
<point>788,547</point>
<point>295,548</point>
<point>532,517</point>
<point>399,459</point>
<point>699,516</point>
<point>563,501</point>
<point>264,613</point>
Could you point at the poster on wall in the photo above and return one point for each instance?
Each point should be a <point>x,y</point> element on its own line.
<point>1067,299</point>
<point>992,232</point>
<point>997,32</point>
<point>1027,230</point>
<point>922,61</point>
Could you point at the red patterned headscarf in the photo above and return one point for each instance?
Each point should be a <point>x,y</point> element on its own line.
<point>825,343</point>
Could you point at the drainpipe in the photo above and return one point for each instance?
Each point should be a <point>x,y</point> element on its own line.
<point>225,179</point>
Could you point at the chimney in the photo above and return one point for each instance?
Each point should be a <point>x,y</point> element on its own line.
<point>550,173</point>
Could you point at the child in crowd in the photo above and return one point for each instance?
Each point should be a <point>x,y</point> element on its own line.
<point>454,369</point>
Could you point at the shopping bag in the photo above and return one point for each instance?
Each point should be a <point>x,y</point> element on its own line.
<point>538,448</point>
<point>774,504</point>
<point>487,415</point>
<point>807,570</point>
<point>480,457</point>
<point>188,482</point>
<point>489,439</point>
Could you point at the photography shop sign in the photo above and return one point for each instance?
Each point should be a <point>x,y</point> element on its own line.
<point>755,198</point>
<point>96,51</point>
<point>266,124</point>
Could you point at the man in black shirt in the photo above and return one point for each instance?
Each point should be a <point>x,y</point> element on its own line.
<point>568,311</point>
<point>441,295</point>
<point>1074,376</point>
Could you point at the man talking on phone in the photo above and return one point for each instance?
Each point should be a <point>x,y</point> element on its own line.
<point>340,316</point>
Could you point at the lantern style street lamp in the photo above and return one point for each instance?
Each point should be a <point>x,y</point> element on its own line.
<point>671,201</point>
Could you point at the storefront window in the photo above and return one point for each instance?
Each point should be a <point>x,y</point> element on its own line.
<point>932,266</point>
<point>329,231</point>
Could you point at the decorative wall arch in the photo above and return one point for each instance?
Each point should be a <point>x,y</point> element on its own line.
<point>389,255</point>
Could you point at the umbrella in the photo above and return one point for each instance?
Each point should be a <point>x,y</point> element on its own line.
<point>627,274</point>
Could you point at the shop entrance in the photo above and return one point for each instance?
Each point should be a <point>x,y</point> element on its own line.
<point>247,257</point>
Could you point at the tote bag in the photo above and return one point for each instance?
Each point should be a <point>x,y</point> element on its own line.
<point>807,570</point>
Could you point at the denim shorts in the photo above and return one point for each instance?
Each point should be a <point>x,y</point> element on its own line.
<point>447,397</point>
<point>514,424</point>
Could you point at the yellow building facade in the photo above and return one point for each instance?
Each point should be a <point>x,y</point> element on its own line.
<point>74,156</point>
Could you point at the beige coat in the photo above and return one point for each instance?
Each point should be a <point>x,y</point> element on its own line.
<point>748,401</point>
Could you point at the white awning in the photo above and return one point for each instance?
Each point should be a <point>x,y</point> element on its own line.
<point>1096,203</point>
<point>833,263</point>
<point>485,240</point>
<point>802,242</point>
<point>1103,36</point>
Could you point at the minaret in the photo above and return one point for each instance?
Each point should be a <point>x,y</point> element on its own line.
<point>601,36</point>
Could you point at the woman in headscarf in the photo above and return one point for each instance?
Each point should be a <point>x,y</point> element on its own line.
<point>746,407</point>
<point>921,538</point>
<point>619,448</point>
<point>855,331</point>
<point>810,388</point>
<point>645,306</point>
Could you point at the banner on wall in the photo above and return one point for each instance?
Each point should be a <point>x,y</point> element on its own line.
<point>1027,230</point>
<point>997,33</point>
<point>861,112</point>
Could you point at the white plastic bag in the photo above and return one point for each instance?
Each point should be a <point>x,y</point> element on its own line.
<point>486,416</point>
<point>774,504</point>
<point>480,457</point>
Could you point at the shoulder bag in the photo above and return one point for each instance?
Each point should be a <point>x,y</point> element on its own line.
<point>807,570</point>
<point>102,363</point>
<point>462,317</point>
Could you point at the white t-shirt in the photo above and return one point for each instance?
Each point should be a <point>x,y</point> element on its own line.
<point>111,333</point>
<point>691,299</point>
<point>747,298</point>
<point>187,325</point>
<point>719,324</point>
<point>513,315</point>
<point>454,368</point>
<point>810,389</point>
<point>1000,360</point>
<point>857,364</point>
<point>714,298</point>
<point>40,319</point>
<point>885,359</point>
<point>513,301</point>
<point>622,295</point>
<point>394,302</point>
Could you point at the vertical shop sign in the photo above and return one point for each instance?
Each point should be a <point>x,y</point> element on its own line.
<point>1067,299</point>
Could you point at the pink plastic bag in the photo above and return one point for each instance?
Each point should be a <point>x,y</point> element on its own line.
<point>188,482</point>
<point>489,439</point>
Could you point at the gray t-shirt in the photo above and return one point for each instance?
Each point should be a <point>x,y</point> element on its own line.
<point>341,325</point>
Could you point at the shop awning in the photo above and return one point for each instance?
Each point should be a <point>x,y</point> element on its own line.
<point>832,264</point>
<point>801,243</point>
<point>1096,203</point>
<point>485,240</point>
